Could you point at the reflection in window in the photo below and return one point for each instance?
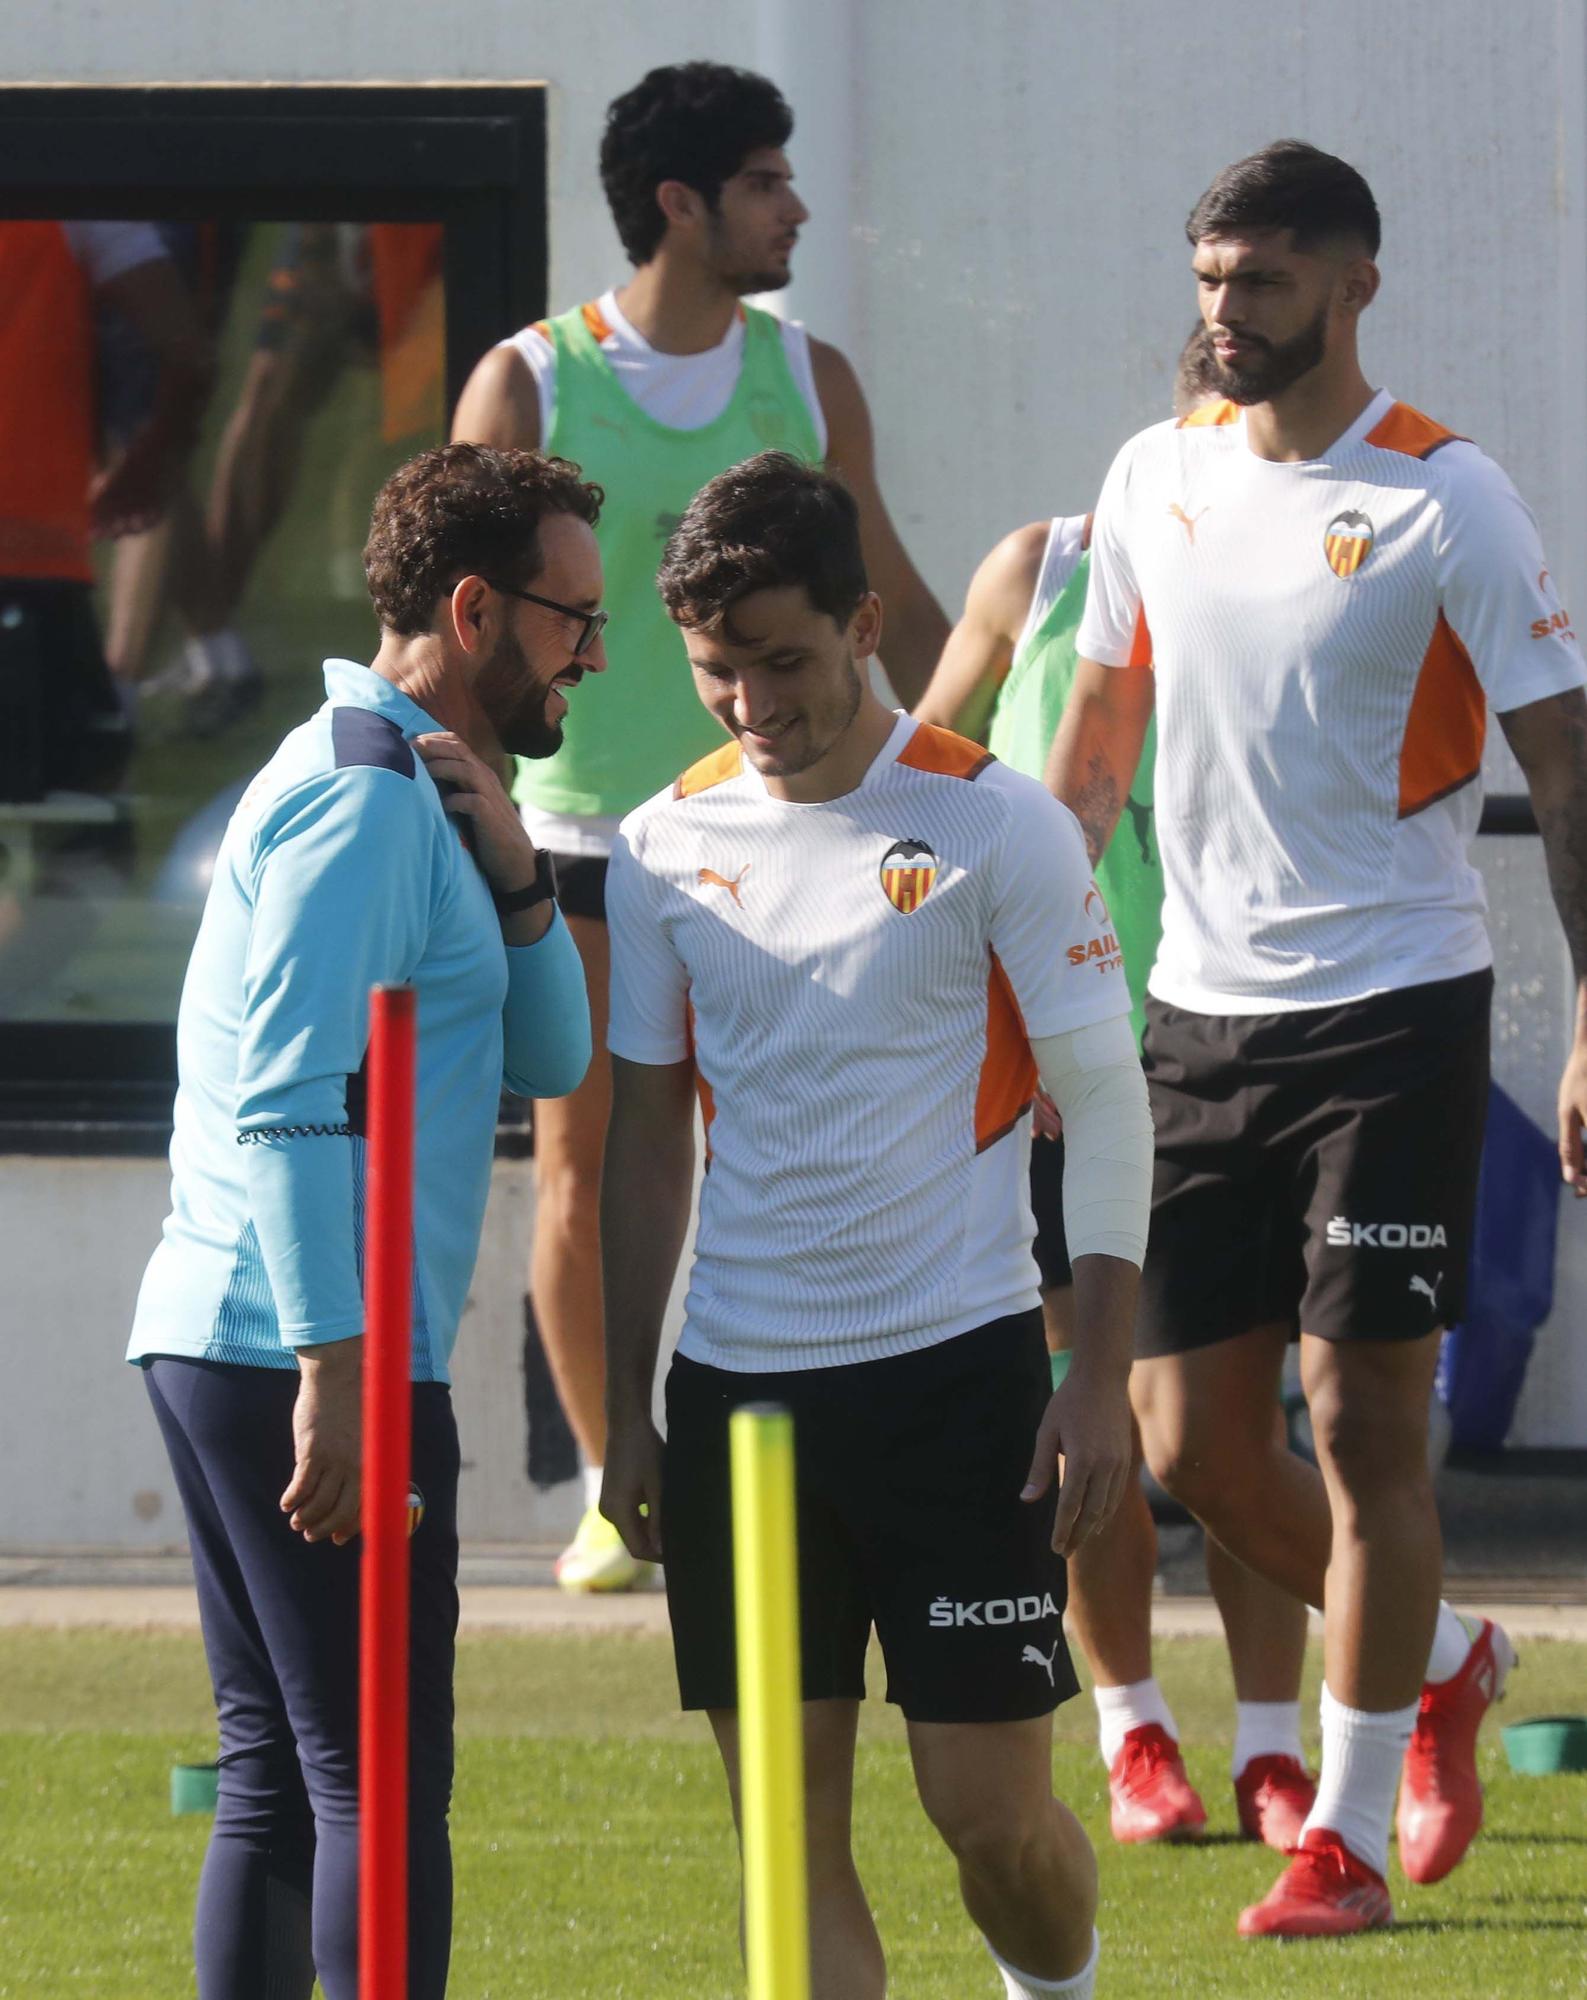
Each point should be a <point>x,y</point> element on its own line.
<point>194,419</point>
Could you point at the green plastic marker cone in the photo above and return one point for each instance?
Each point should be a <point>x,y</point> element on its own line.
<point>1546,1744</point>
<point>194,1787</point>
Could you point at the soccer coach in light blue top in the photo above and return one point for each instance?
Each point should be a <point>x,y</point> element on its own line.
<point>377,844</point>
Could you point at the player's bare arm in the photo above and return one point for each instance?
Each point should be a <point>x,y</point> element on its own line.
<point>980,649</point>
<point>1549,739</point>
<point>645,1189</point>
<point>917,630</point>
<point>1093,1076</point>
<point>1098,746</point>
<point>500,404</point>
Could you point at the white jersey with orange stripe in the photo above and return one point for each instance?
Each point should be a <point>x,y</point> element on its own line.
<point>1327,637</point>
<point>857,983</point>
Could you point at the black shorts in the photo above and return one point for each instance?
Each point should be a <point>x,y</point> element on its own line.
<point>1051,1247</point>
<point>581,884</point>
<point>908,1474</point>
<point>1316,1169</point>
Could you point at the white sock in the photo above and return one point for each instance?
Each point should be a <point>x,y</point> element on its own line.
<point>1452,1638</point>
<point>1121,1709</point>
<point>1361,1758</point>
<point>1266,1729</point>
<point>592,1486</point>
<point>1079,1986</point>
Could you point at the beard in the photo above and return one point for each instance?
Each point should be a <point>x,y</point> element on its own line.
<point>514,703</point>
<point>1276,366</point>
<point>823,728</point>
<point>738,272</point>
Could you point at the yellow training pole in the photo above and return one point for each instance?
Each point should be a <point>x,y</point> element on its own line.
<point>770,1734</point>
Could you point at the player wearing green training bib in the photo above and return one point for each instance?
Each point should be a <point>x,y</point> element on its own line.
<point>653,389</point>
<point>1004,678</point>
<point>1024,721</point>
<point>609,762</point>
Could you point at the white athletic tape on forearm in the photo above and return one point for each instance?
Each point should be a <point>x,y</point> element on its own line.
<point>1093,1075</point>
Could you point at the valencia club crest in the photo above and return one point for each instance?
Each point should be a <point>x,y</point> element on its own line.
<point>1348,543</point>
<point>909,868</point>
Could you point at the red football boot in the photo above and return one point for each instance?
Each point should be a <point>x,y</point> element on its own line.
<point>1324,1892</point>
<point>1151,1797</point>
<point>1274,1795</point>
<point>1440,1796</point>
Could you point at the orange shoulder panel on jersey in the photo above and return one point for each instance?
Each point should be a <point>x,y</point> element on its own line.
<point>1408,431</point>
<point>1008,1069</point>
<point>595,320</point>
<point>1445,729</point>
<point>543,328</point>
<point>1085,532</point>
<point>713,770</point>
<point>1210,413</point>
<point>944,753</point>
<point>1141,641</point>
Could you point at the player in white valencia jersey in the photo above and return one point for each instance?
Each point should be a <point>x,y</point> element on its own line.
<point>1331,590</point>
<point>863,941</point>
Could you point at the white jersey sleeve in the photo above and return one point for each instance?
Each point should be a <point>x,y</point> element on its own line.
<point>1050,927</point>
<point>650,985</point>
<point>1495,586</point>
<point>1109,623</point>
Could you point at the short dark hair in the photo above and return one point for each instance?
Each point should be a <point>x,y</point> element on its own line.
<point>695,122</point>
<point>1289,185</point>
<point>768,524</point>
<point>462,510</point>
<point>1196,376</point>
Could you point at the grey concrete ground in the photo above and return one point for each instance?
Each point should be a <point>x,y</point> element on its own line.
<point>511,1590</point>
<point>1515,1537</point>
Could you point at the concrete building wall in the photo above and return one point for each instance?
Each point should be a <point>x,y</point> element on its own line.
<point>998,196</point>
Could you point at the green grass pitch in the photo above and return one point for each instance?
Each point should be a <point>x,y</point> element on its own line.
<point>594,1858</point>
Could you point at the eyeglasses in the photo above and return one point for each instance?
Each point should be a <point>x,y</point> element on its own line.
<point>593,622</point>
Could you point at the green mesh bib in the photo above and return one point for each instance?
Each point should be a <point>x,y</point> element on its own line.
<point>632,729</point>
<point>1029,706</point>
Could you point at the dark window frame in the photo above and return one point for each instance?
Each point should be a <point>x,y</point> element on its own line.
<point>472,157</point>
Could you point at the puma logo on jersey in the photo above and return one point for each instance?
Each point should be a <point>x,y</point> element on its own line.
<point>712,880</point>
<point>1187,521</point>
<point>1429,1291</point>
<point>1033,1656</point>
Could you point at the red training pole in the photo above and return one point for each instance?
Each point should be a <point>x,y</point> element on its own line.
<point>388,1423</point>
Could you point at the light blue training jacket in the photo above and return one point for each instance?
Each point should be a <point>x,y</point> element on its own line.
<point>341,870</point>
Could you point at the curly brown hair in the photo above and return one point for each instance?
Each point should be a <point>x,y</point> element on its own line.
<point>770,522</point>
<point>464,510</point>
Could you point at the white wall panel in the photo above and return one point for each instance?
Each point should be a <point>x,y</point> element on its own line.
<point>1009,269</point>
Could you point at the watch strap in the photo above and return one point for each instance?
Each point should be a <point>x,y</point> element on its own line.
<point>542,889</point>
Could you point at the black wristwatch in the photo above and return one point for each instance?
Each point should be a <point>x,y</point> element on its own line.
<point>542,889</point>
